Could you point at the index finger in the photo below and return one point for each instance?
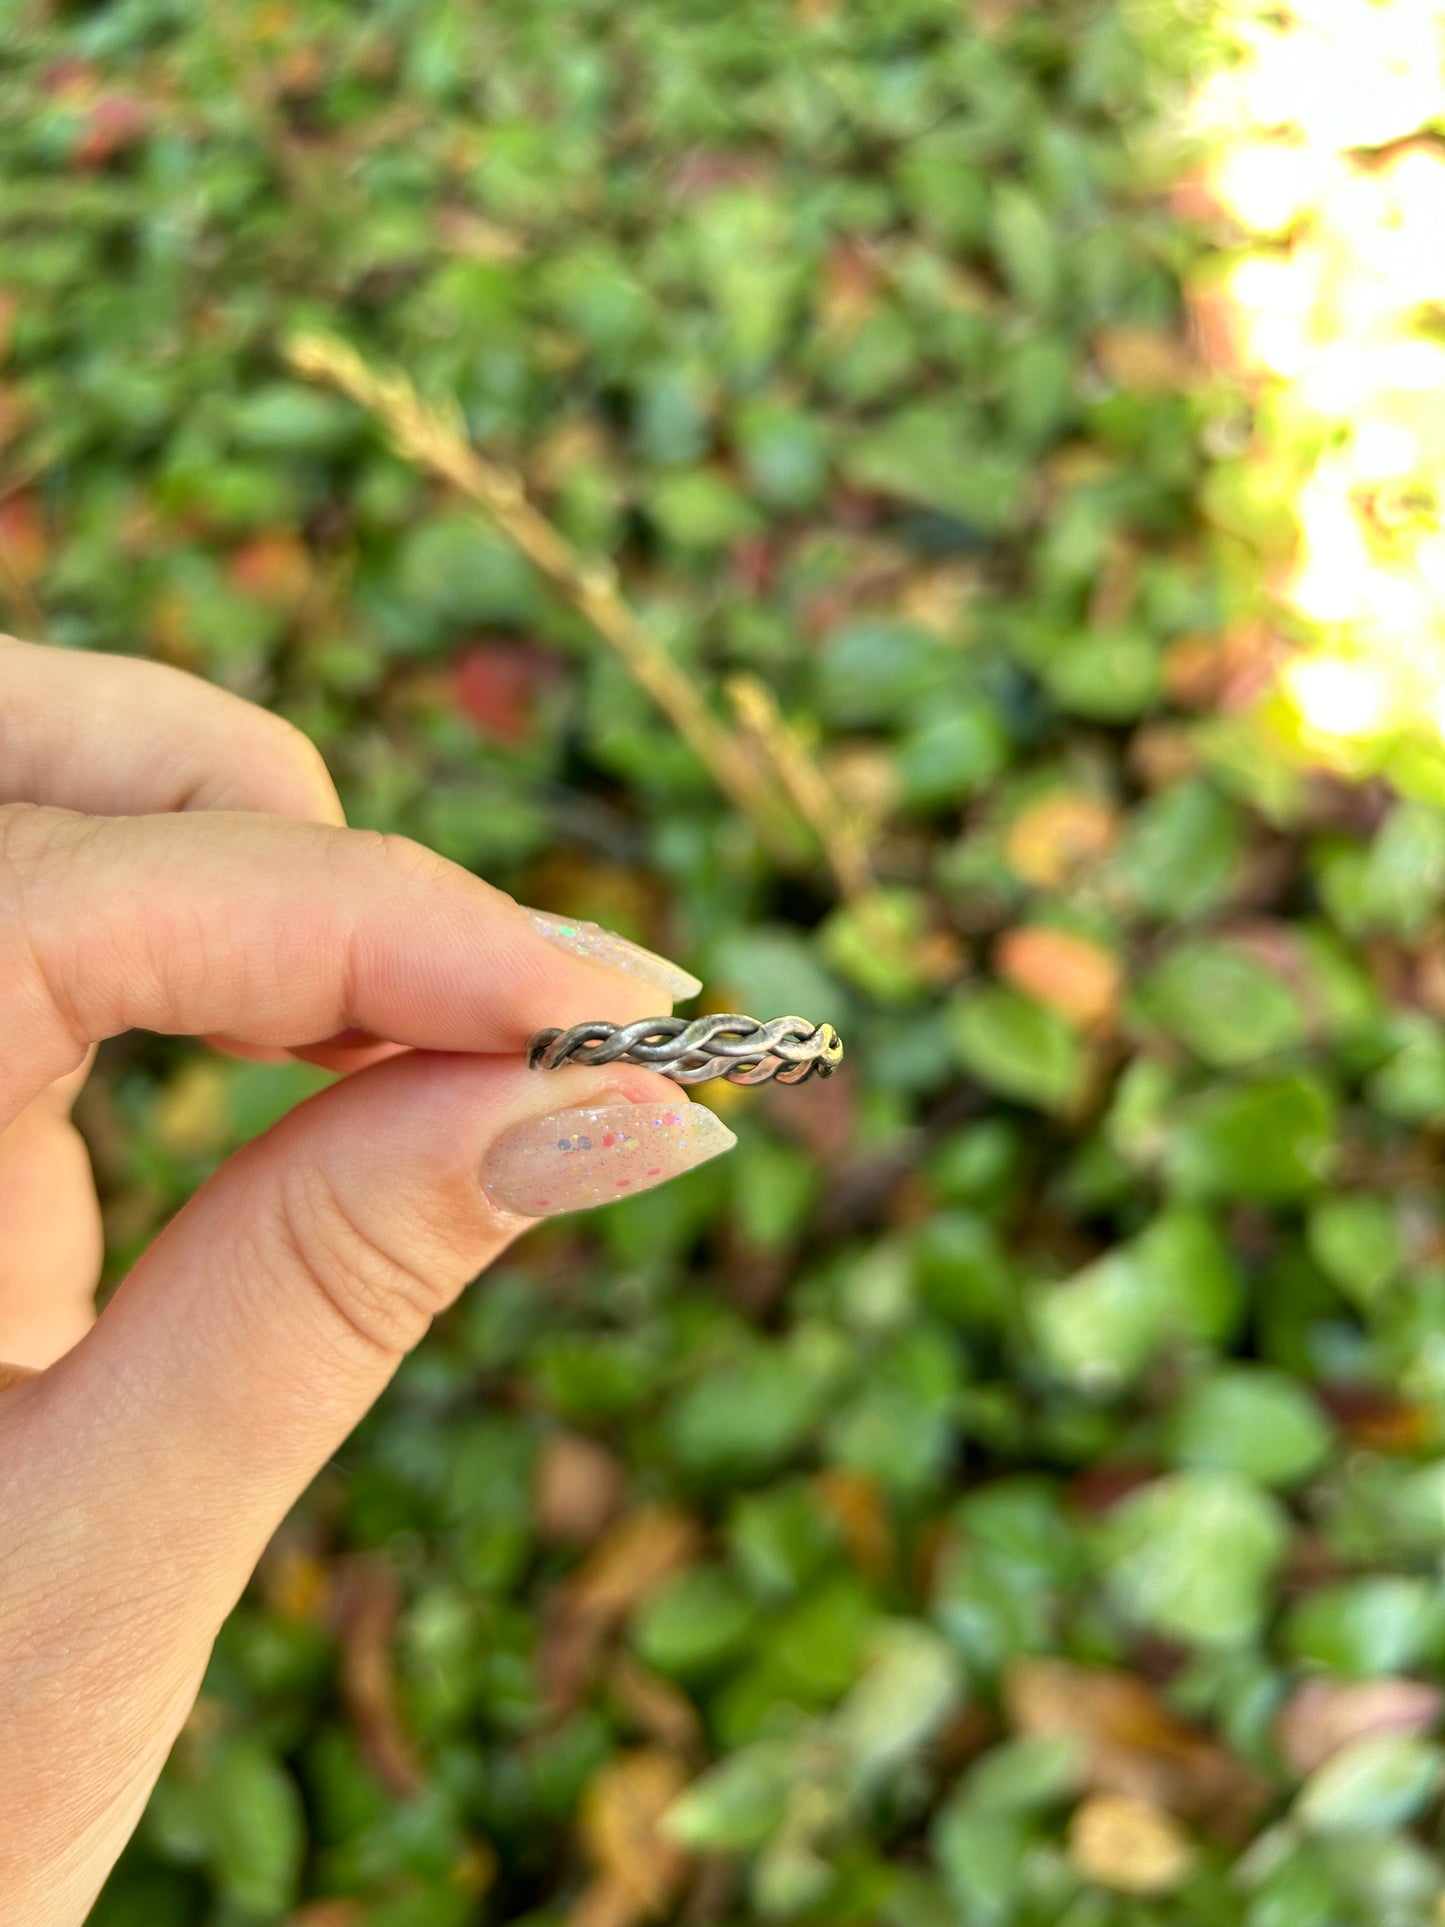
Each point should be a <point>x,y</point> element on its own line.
<point>117,735</point>
<point>277,931</point>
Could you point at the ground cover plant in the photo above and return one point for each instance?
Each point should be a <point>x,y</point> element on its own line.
<point>1008,1488</point>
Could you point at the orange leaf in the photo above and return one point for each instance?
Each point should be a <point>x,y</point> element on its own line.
<point>856,1503</point>
<point>1058,836</point>
<point>328,1913</point>
<point>368,1609</point>
<point>579,1487</point>
<point>1129,1740</point>
<point>274,568</point>
<point>851,283</point>
<point>24,544</point>
<point>633,1560</point>
<point>628,1565</point>
<point>639,1869</point>
<point>1071,974</point>
<point>1143,361</point>
<point>659,1710</point>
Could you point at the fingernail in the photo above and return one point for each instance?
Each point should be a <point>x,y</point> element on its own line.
<point>606,947</point>
<point>572,1160</point>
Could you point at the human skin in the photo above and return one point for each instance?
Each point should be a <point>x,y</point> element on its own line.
<point>172,858</point>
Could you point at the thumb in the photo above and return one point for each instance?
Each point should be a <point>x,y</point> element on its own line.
<point>141,1476</point>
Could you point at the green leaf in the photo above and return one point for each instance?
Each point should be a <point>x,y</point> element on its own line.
<point>962,1270</point>
<point>952,754</point>
<point>785,453</point>
<point>912,1688</point>
<point>1383,1780</point>
<point>980,1854</point>
<point>1411,1086</point>
<point>871,671</point>
<point>744,1419</point>
<point>775,1186</point>
<point>145,1897</point>
<point>1017,1047</point>
<point>700,509</point>
<point>897,1425</point>
<point>875,944</point>
<point>258,1827</point>
<point>1355,1240</point>
<point>1192,1557</point>
<point>1111,678</point>
<point>696,1622</point>
<point>1175,1283</point>
<point>260,1095</point>
<point>770,967</point>
<point>735,1806</point>
<point>779,1539</point>
<point>1193,1273</point>
<point>1363,1627</point>
<point>821,1643</point>
<point>1102,1327</point>
<point>1252,1421</point>
<point>930,455</point>
<point>1222,1003</point>
<point>290,418</point>
<point>1404,877</point>
<point>460,570</point>
<point>1269,1142</point>
<point>1023,1775</point>
<point>1026,245</point>
<point>1182,850</point>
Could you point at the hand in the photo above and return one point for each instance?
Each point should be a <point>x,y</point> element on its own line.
<point>174,859</point>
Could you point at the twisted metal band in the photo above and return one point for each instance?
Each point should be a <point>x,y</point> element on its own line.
<point>694,1050</point>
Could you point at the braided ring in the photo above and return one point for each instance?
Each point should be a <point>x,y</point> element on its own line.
<point>693,1051</point>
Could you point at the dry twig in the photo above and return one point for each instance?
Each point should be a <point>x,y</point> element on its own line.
<point>434,438</point>
<point>809,790</point>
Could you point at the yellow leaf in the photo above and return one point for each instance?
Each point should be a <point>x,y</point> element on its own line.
<point>191,1112</point>
<point>1061,834</point>
<point>1129,1845</point>
<point>621,1830</point>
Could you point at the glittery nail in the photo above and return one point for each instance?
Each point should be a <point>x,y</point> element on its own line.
<point>616,953</point>
<point>571,1160</point>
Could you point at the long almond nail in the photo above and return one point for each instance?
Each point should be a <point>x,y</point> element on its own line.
<point>571,1160</point>
<point>616,953</point>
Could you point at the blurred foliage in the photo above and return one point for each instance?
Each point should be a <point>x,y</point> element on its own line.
<point>1008,1489</point>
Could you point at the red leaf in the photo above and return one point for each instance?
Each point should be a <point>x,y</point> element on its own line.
<point>114,123</point>
<point>1325,1715</point>
<point>496,685</point>
<point>24,544</point>
<point>274,568</point>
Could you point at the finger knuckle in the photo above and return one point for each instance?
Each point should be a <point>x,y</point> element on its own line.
<point>383,859</point>
<point>29,836</point>
<point>410,862</point>
<point>38,849</point>
<point>383,1276</point>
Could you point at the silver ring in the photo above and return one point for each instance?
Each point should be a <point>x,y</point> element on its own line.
<point>694,1050</point>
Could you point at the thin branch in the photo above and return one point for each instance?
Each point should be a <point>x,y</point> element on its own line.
<point>809,790</point>
<point>434,438</point>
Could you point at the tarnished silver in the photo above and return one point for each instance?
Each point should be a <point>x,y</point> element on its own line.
<point>695,1050</point>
